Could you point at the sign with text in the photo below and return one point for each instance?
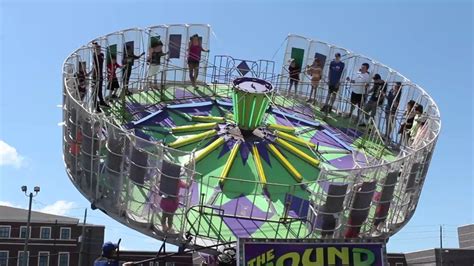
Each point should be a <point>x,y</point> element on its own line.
<point>314,254</point>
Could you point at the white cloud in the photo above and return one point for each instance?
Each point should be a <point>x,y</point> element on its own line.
<point>9,155</point>
<point>60,207</point>
<point>9,204</point>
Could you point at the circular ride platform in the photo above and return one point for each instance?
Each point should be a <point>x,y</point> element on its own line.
<point>238,155</point>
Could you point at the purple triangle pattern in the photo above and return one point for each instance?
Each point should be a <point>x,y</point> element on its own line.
<point>324,140</point>
<point>263,151</point>
<point>242,206</point>
<point>228,145</point>
<point>244,152</point>
<point>242,228</point>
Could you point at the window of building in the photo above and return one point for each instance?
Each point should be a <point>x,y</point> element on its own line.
<point>43,258</point>
<point>23,232</point>
<point>3,258</point>
<point>5,231</point>
<point>398,264</point>
<point>65,233</point>
<point>45,233</point>
<point>21,258</point>
<point>63,259</point>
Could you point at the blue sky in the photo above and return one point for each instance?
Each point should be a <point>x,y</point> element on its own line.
<point>430,42</point>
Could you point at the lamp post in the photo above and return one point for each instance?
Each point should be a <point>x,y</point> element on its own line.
<point>27,236</point>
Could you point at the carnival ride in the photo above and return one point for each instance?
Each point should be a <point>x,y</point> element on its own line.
<point>255,162</point>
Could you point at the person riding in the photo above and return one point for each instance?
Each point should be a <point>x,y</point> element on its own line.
<point>336,68</point>
<point>98,76</point>
<point>315,71</point>
<point>127,62</point>
<point>194,57</point>
<point>294,71</point>
<point>155,52</point>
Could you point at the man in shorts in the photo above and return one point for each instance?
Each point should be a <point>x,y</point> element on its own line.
<point>359,88</point>
<point>336,67</point>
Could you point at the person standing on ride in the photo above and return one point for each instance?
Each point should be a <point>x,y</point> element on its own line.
<point>370,108</point>
<point>418,122</point>
<point>315,71</point>
<point>294,71</point>
<point>359,88</point>
<point>154,59</point>
<point>169,204</point>
<point>336,67</point>
<point>393,100</point>
<point>81,76</point>
<point>113,83</point>
<point>194,57</point>
<point>98,76</point>
<point>408,118</point>
<point>127,61</point>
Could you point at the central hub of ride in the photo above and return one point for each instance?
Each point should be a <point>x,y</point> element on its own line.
<point>251,97</point>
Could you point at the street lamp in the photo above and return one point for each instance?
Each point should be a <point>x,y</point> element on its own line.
<point>27,236</point>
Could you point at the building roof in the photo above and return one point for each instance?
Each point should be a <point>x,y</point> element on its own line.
<point>11,214</point>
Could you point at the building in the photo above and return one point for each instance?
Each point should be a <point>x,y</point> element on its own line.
<point>54,240</point>
<point>466,236</point>
<point>396,259</point>
<point>462,256</point>
<point>444,257</point>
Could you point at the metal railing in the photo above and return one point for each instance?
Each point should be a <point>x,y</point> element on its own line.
<point>119,171</point>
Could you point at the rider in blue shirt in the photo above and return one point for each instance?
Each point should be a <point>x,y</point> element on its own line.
<point>336,67</point>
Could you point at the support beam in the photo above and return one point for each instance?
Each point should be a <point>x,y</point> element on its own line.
<point>295,117</point>
<point>230,162</point>
<point>199,118</point>
<point>204,152</point>
<point>290,168</point>
<point>183,115</point>
<point>294,139</point>
<point>195,127</point>
<point>189,105</point>
<point>282,128</point>
<point>185,141</point>
<point>259,166</point>
<point>297,152</point>
<point>336,139</point>
<point>146,118</point>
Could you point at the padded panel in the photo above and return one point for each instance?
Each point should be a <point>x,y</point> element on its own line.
<point>412,176</point>
<point>326,219</point>
<point>174,47</point>
<point>169,184</point>
<point>386,196</point>
<point>139,160</point>
<point>360,208</point>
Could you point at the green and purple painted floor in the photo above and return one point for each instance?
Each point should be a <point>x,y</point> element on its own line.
<point>242,207</point>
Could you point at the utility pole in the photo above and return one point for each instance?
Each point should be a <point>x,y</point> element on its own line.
<point>81,251</point>
<point>441,245</point>
<point>27,236</point>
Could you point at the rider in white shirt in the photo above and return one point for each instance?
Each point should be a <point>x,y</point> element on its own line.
<point>360,83</point>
